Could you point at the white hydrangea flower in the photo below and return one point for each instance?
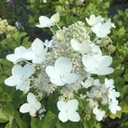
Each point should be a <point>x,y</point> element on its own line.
<point>97,64</point>
<point>60,74</point>
<point>88,82</point>
<point>32,106</point>
<point>113,106</point>
<point>102,30</point>
<point>93,20</point>
<point>83,47</point>
<point>48,22</point>
<point>113,94</point>
<point>17,56</point>
<point>68,111</point>
<point>99,113</point>
<point>19,76</point>
<point>36,53</point>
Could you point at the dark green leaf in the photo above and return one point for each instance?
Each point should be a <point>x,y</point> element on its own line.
<point>49,120</point>
<point>9,110</point>
<point>3,117</point>
<point>34,123</point>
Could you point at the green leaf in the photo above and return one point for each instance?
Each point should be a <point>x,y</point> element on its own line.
<point>49,121</point>
<point>9,110</point>
<point>13,125</point>
<point>18,37</point>
<point>118,114</point>
<point>19,121</point>
<point>124,91</point>
<point>26,42</point>
<point>124,106</point>
<point>126,77</point>
<point>58,125</point>
<point>52,105</point>
<point>4,97</point>
<point>1,89</point>
<point>3,117</point>
<point>5,62</point>
<point>34,123</point>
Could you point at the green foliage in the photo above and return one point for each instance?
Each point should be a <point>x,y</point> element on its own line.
<point>49,121</point>
<point>10,99</point>
<point>70,11</point>
<point>13,11</point>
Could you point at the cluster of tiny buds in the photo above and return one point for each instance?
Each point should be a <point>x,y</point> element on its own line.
<point>100,93</point>
<point>66,94</point>
<point>76,31</point>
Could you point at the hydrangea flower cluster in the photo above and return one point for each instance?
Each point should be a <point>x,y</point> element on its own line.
<point>71,63</point>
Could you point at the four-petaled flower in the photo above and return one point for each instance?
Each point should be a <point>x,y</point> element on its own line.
<point>68,110</point>
<point>99,113</point>
<point>32,106</point>
<point>102,29</point>
<point>19,76</point>
<point>48,22</point>
<point>93,20</point>
<point>60,74</point>
<point>97,64</point>
<point>17,56</point>
<point>36,53</point>
<point>113,106</point>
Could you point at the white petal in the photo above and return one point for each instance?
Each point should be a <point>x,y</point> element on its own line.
<point>97,29</point>
<point>39,59</point>
<point>12,81</point>
<point>55,18</point>
<point>13,58</point>
<point>28,70</point>
<point>58,82</point>
<point>62,106</point>
<point>88,83</point>
<point>32,112</point>
<point>90,63</point>
<point>105,61</point>
<point>63,66</point>
<point>25,108</point>
<point>63,116</point>
<point>20,50</point>
<point>70,78</point>
<point>17,70</point>
<point>37,46</point>
<point>72,105</point>
<point>37,105</point>
<point>105,71</point>
<point>31,98</point>
<point>20,83</point>
<point>29,55</point>
<point>51,72</point>
<point>45,22</point>
<point>74,116</point>
<point>75,45</point>
<point>25,87</point>
<point>54,76</point>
